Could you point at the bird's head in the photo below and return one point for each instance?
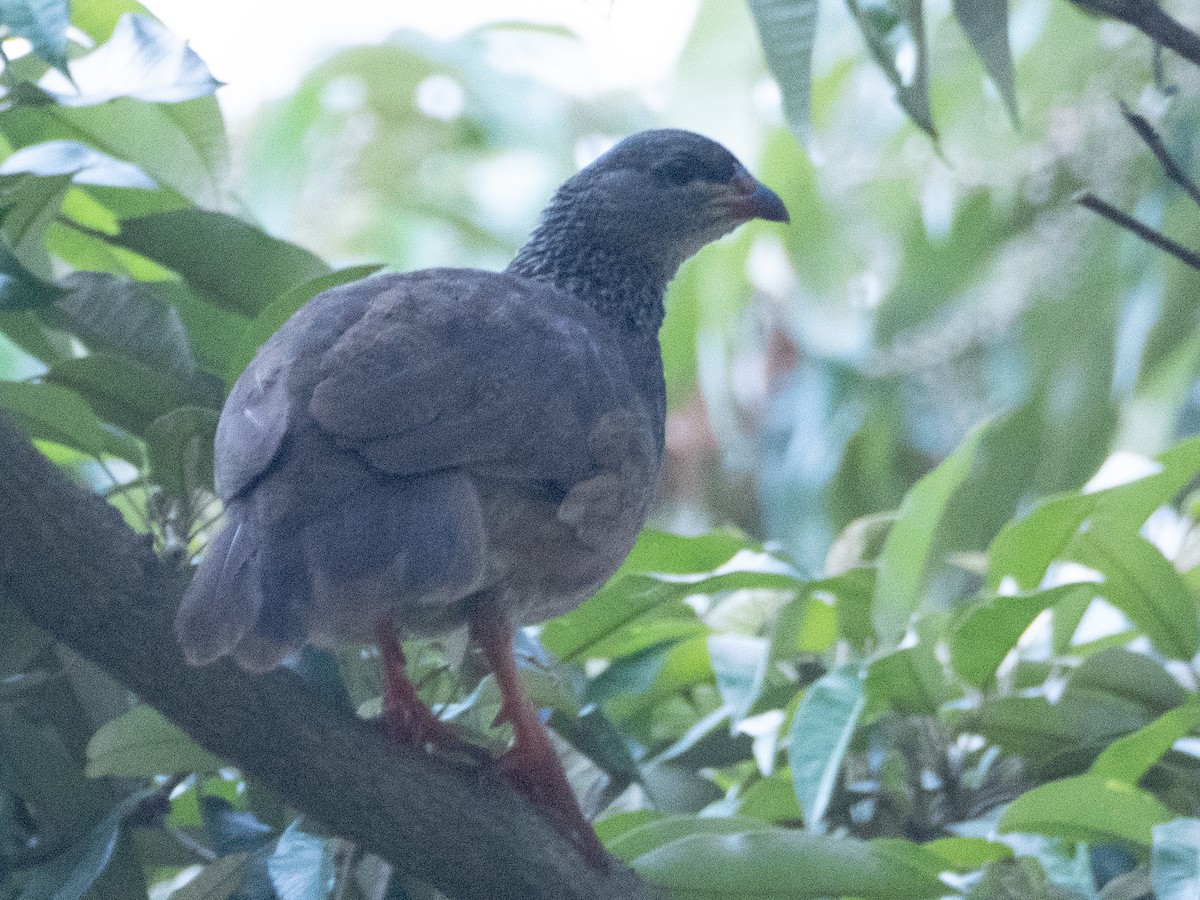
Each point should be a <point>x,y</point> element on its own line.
<point>669,192</point>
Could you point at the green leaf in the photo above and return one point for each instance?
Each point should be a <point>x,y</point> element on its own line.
<point>910,680</point>
<point>890,26</point>
<point>662,553</point>
<point>267,322</point>
<point>20,288</point>
<point>820,734</point>
<point>632,674</point>
<point>791,865</point>
<point>53,413</point>
<point>1175,860</point>
<point>772,799</point>
<point>179,448</point>
<point>218,880</point>
<point>301,868</point>
<point>1132,757</point>
<point>143,60</point>
<point>43,23</point>
<point>613,825</point>
<point>1024,549</point>
<point>906,557</point>
<point>740,664</point>
<point>986,25</point>
<point>650,836</point>
<point>141,743</point>
<point>787,30</point>
<point>1087,808</point>
<point>84,164</point>
<point>28,211</point>
<point>1140,582</point>
<point>240,267</point>
<point>73,872</point>
<point>133,319</point>
<point>965,854</point>
<point>628,614</point>
<point>990,629</point>
<point>129,394</point>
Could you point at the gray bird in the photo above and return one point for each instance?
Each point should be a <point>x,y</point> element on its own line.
<point>454,447</point>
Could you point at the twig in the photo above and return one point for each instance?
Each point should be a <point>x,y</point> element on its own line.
<point>1148,17</point>
<point>1170,168</point>
<point>1145,232</point>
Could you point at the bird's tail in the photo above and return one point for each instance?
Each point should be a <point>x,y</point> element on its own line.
<point>225,597</point>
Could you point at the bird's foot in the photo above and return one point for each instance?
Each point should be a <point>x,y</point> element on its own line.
<point>534,769</point>
<point>406,718</point>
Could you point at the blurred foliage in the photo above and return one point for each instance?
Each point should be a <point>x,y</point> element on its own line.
<point>944,643</point>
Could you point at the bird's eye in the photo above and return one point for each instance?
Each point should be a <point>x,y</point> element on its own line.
<point>675,171</point>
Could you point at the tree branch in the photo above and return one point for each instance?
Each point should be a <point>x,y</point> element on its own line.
<point>72,565</point>
<point>1145,232</point>
<point>1148,17</point>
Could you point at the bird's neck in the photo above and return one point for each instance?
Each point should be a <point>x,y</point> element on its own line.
<point>625,288</point>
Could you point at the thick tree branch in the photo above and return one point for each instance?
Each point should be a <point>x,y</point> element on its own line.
<point>70,563</point>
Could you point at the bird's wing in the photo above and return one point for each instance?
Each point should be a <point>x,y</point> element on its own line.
<point>487,372</point>
<point>271,396</point>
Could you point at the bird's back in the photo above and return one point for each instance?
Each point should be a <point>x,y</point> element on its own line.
<point>406,441</point>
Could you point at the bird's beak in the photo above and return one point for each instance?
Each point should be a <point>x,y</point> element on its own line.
<point>754,200</point>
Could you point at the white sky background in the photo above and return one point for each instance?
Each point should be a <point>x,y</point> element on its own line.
<point>261,48</point>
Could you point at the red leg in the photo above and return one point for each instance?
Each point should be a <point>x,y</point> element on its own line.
<point>407,719</point>
<point>531,765</point>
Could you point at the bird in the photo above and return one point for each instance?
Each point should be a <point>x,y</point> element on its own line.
<point>415,452</point>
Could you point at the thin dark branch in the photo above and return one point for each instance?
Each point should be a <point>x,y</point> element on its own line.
<point>1170,167</point>
<point>71,564</point>
<point>1150,19</point>
<point>1145,232</point>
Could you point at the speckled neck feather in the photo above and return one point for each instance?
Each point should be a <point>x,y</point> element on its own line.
<point>625,284</point>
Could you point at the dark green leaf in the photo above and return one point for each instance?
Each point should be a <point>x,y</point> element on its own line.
<point>820,734</point>
<point>119,315</point>
<point>72,873</point>
<point>129,394</point>
<point>267,322</point>
<point>986,25</point>
<point>890,26</point>
<point>218,880</point>
<point>227,260</point>
<point>787,30</point>
<point>20,288</point>
<point>28,211</point>
<point>43,23</point>
<point>791,865</point>
<point>910,680</point>
<point>179,447</point>
<point>628,614</point>
<point>905,561</point>
<point>142,60</point>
